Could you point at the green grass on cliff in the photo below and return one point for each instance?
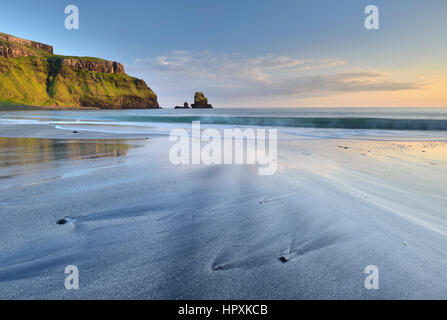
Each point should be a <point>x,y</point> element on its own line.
<point>39,81</point>
<point>23,81</point>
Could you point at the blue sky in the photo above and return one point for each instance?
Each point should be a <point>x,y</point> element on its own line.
<point>256,52</point>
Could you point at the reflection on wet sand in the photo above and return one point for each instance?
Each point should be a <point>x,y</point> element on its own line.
<point>21,151</point>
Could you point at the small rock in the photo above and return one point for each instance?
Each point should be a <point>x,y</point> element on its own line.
<point>284,259</point>
<point>217,268</point>
<point>62,221</point>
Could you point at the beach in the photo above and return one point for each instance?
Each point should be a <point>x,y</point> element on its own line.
<point>139,227</point>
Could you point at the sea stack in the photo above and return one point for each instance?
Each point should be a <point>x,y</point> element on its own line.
<point>200,101</point>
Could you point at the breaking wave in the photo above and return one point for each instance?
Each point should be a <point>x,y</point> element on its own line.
<point>333,123</point>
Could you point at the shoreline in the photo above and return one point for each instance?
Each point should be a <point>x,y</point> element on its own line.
<point>52,108</point>
<point>64,108</point>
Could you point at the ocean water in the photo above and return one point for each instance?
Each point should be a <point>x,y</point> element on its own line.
<point>306,122</point>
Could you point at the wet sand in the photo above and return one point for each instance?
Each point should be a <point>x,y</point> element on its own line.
<point>140,228</point>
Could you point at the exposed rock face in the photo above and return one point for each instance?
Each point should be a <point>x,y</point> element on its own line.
<point>200,101</point>
<point>93,65</point>
<point>8,50</point>
<point>29,43</point>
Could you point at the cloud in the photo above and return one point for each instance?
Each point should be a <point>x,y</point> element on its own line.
<point>233,76</point>
<point>326,63</point>
<point>321,85</point>
<point>230,68</point>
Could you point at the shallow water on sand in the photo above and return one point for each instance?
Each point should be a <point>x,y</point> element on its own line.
<point>23,151</point>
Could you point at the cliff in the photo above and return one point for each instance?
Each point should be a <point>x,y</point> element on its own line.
<point>30,74</point>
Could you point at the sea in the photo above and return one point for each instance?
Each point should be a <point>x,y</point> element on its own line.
<point>305,122</point>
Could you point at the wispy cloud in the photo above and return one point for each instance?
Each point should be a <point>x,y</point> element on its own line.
<point>234,76</point>
<point>230,68</point>
<point>321,85</point>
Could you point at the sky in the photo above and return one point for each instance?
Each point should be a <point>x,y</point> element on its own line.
<point>257,53</point>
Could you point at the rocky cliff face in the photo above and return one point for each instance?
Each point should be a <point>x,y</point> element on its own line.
<point>8,50</point>
<point>31,74</point>
<point>29,43</point>
<point>95,65</point>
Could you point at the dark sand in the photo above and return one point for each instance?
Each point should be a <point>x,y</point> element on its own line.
<point>141,228</point>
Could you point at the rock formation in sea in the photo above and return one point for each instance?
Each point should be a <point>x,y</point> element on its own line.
<point>200,101</point>
<point>185,106</point>
<point>31,74</point>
